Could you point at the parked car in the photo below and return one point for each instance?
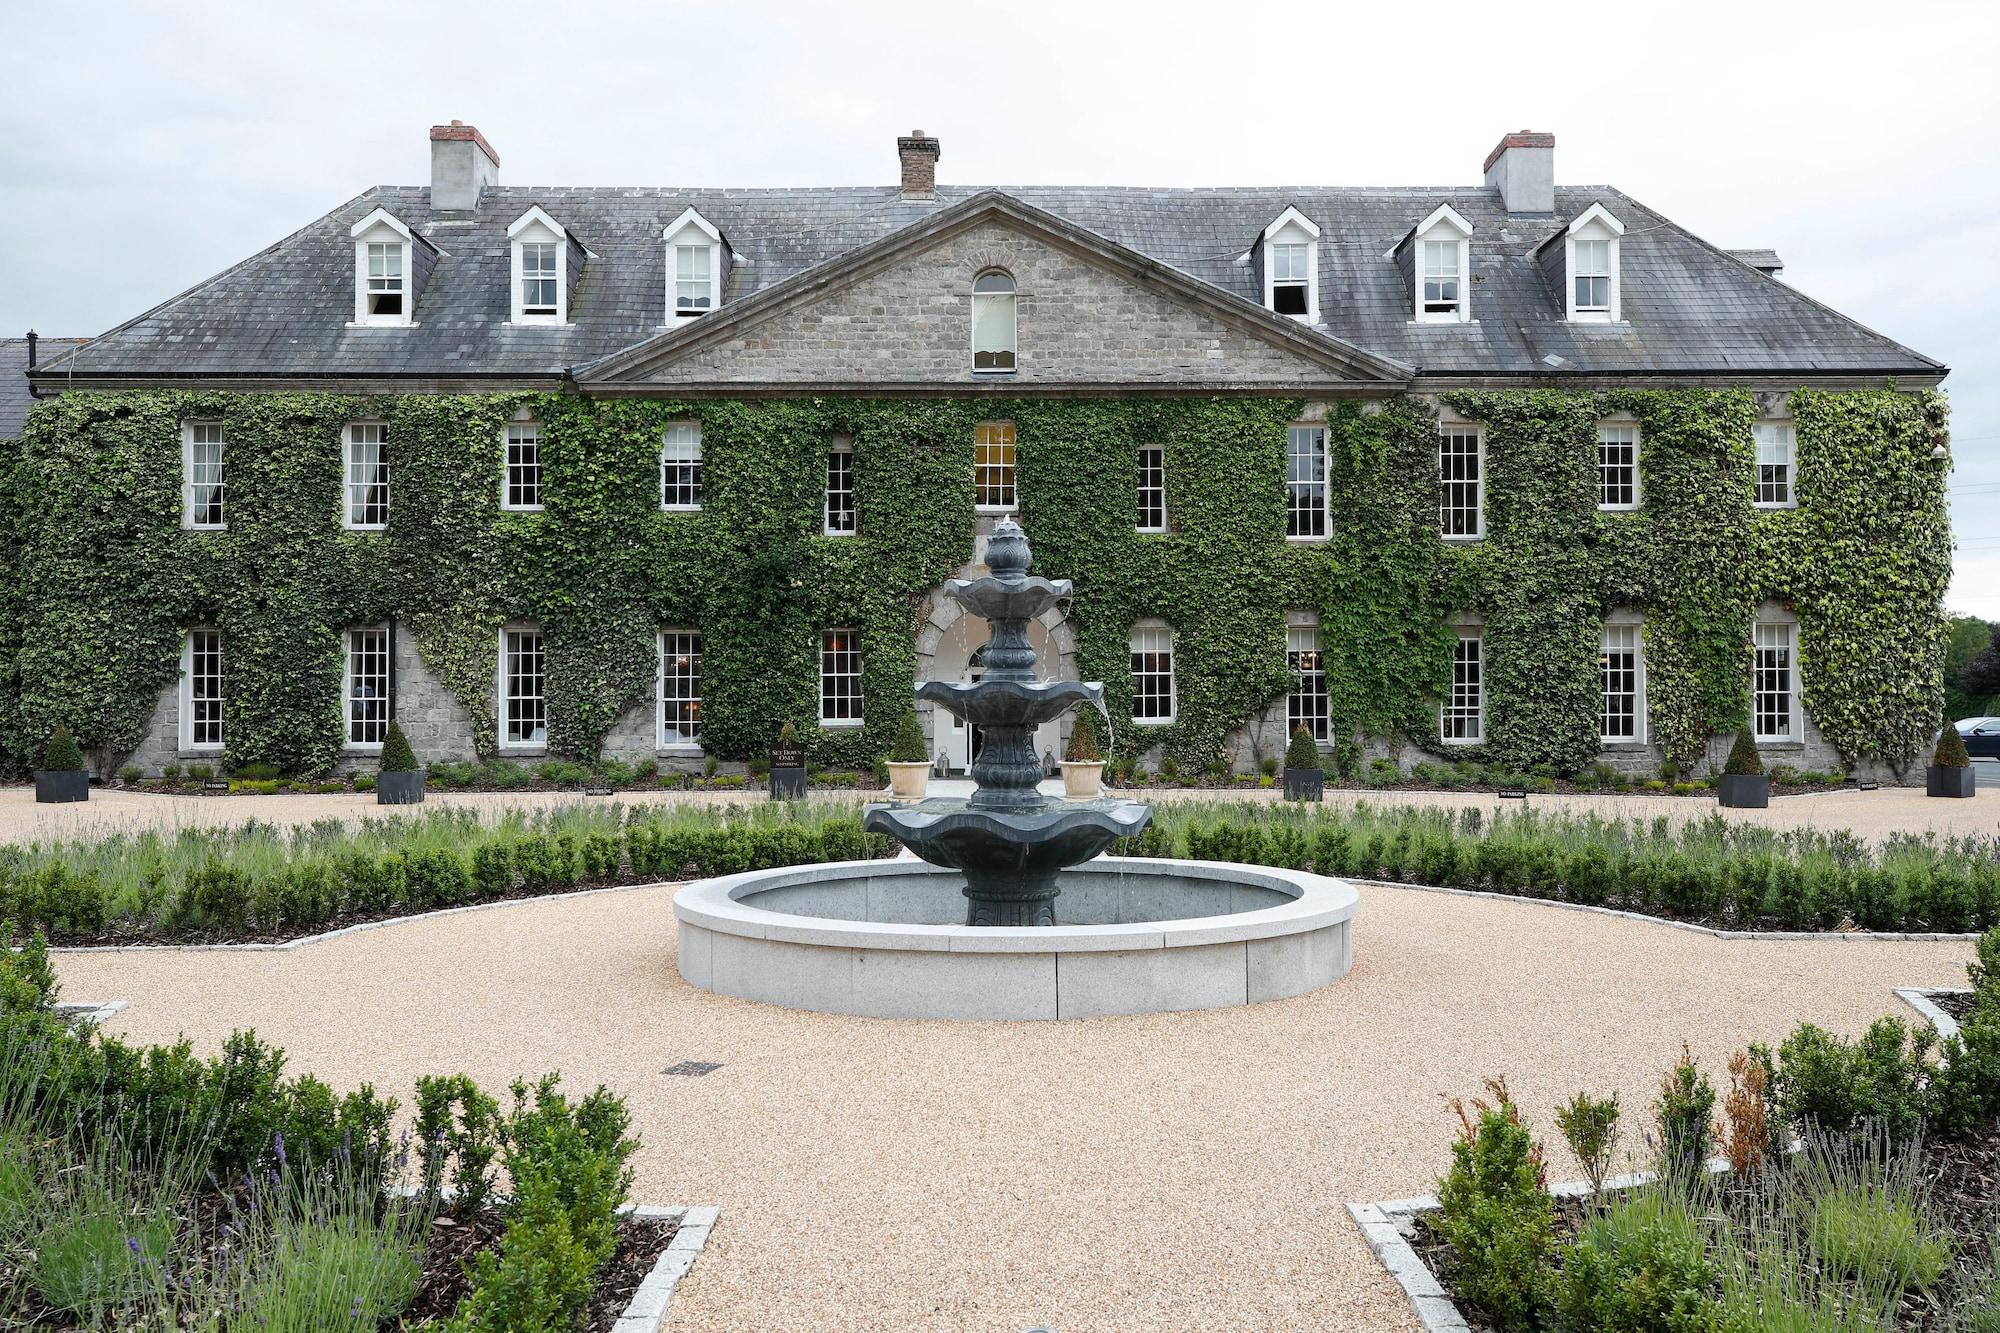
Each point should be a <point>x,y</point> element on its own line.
<point>1981,736</point>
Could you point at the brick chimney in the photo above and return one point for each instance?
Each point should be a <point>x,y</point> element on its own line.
<point>919,153</point>
<point>462,163</point>
<point>1523,169</point>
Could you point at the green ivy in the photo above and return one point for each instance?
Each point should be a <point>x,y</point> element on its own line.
<point>106,580</point>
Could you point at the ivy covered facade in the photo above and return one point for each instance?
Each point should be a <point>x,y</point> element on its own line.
<point>746,517</point>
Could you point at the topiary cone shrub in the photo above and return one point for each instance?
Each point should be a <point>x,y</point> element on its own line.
<point>908,747</point>
<point>1305,776</point>
<point>1743,784</point>
<point>61,755</point>
<point>400,781</point>
<point>61,778</point>
<point>1951,772</point>
<point>1083,760</point>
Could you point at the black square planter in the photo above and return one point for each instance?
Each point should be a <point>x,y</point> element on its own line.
<point>1954,782</point>
<point>400,788</point>
<point>1744,791</point>
<point>54,786</point>
<point>788,784</point>
<point>1305,784</point>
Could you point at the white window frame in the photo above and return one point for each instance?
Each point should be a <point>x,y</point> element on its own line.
<point>1151,637</point>
<point>829,654</point>
<point>1315,435</point>
<point>1012,467</point>
<point>1445,224</point>
<point>680,444</point>
<point>1604,470</point>
<point>1775,630</point>
<point>1152,482</point>
<point>1451,708</point>
<point>1781,434</point>
<point>502,696</point>
<point>536,227</point>
<point>1617,627</point>
<point>188,482</point>
<point>1306,658</point>
<point>1461,428</point>
<point>187,694</point>
<point>1292,227</point>
<point>1594,224</point>
<point>382,228</point>
<point>523,424</point>
<point>1012,296</point>
<point>841,446</point>
<point>691,231</point>
<point>347,695</point>
<point>678,744</point>
<point>350,466</point>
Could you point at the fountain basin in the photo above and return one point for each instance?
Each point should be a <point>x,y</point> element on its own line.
<point>1139,936</point>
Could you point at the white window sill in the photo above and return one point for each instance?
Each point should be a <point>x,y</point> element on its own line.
<point>538,322</point>
<point>204,527</point>
<point>680,509</point>
<point>1308,541</point>
<point>1010,371</point>
<point>1440,321</point>
<point>1464,740</point>
<point>679,748</point>
<point>1618,509</point>
<point>381,324</point>
<point>364,527</point>
<point>375,748</point>
<point>828,532</point>
<point>1462,539</point>
<point>521,509</point>
<point>1152,722</point>
<point>523,749</point>
<point>1778,742</point>
<point>997,511</point>
<point>204,749</point>
<point>840,723</point>
<point>1151,532</point>
<point>1774,504</point>
<point>1621,743</point>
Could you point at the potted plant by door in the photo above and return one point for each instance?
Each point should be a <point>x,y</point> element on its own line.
<point>400,782</point>
<point>1083,761</point>
<point>62,776</point>
<point>909,771</point>
<point>788,765</point>
<point>1950,773</point>
<point>1744,785</point>
<point>1305,778</point>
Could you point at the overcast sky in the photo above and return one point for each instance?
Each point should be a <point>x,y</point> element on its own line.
<point>145,147</point>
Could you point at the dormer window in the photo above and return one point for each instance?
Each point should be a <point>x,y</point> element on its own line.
<point>694,267</point>
<point>384,276</point>
<point>1590,260</point>
<point>1442,268</point>
<point>1291,266</point>
<point>993,326</point>
<point>541,272</point>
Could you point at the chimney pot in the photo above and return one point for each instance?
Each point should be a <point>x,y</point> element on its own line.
<point>919,153</point>
<point>462,164</point>
<point>1523,168</point>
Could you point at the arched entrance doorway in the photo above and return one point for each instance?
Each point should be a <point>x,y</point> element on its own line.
<point>953,650</point>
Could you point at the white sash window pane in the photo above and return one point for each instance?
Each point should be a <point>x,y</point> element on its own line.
<point>524,712</point>
<point>1152,515</point>
<point>1306,706</point>
<point>1152,673</point>
<point>367,686</point>
<point>680,467</point>
<point>385,278</point>
<point>204,689</point>
<point>841,516</point>
<point>993,465</point>
<point>538,277</point>
<point>202,479</point>
<point>993,327</point>
<point>1618,664</point>
<point>1464,713</point>
<point>1305,482</point>
<point>694,267</point>
<point>1771,681</point>
<point>1775,457</point>
<point>1461,504</point>
<point>1440,277</point>
<point>1291,273</point>
<point>524,465</point>
<point>367,475</point>
<point>680,688</point>
<point>840,676</point>
<point>1593,274</point>
<point>1618,467</point>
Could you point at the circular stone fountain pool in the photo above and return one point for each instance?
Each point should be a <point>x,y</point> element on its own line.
<point>1137,936</point>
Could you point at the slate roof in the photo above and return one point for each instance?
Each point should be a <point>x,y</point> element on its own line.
<point>1689,308</point>
<point>14,398</point>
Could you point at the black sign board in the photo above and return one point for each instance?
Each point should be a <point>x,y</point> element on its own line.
<point>1513,793</point>
<point>215,784</point>
<point>597,791</point>
<point>1870,786</point>
<point>788,756</point>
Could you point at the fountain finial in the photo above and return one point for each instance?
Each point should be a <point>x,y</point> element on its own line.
<point>1007,553</point>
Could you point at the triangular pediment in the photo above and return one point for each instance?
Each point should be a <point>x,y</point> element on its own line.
<point>896,315</point>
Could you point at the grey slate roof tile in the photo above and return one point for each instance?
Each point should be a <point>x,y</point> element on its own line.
<point>15,399</point>
<point>1688,307</point>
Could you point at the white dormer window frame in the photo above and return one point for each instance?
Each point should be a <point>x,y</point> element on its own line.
<point>1592,296</point>
<point>537,228</point>
<point>383,269</point>
<point>1291,260</point>
<point>692,233</point>
<point>1450,299</point>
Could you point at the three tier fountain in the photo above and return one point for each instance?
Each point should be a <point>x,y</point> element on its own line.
<point>1137,934</point>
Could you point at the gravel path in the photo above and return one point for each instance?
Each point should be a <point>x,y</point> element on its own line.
<point>1171,1171</point>
<point>1872,814</point>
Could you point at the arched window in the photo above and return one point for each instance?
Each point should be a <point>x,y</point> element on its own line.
<point>993,322</point>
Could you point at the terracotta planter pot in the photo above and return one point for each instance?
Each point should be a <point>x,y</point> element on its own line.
<point>1954,782</point>
<point>908,781</point>
<point>1083,781</point>
<point>406,788</point>
<point>54,786</point>
<point>1744,791</point>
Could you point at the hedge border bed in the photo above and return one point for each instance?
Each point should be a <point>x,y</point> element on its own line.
<point>1382,1222</point>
